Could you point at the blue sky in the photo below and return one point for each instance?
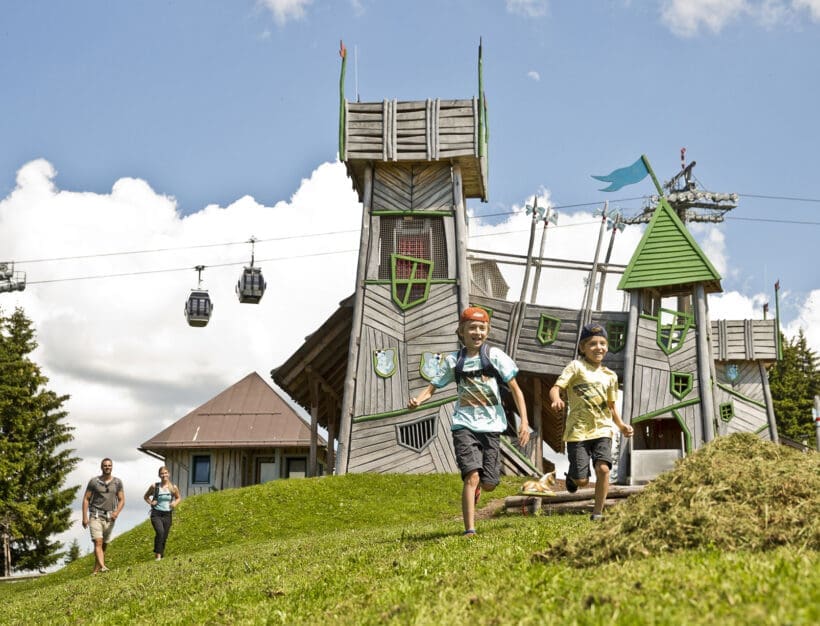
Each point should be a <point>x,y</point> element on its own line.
<point>134,126</point>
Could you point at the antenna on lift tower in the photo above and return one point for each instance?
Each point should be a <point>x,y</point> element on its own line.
<point>689,202</point>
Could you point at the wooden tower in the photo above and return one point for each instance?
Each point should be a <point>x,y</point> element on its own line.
<point>413,164</point>
<point>685,379</point>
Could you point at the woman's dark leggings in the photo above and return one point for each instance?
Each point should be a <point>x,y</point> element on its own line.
<point>161,521</point>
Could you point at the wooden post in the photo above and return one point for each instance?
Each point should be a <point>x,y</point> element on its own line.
<point>460,221</point>
<point>767,397</point>
<point>313,466</point>
<point>535,419</point>
<point>630,350</point>
<point>537,278</point>
<point>707,401</point>
<point>600,303</point>
<point>346,416</point>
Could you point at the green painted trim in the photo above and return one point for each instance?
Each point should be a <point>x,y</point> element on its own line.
<point>730,408</point>
<point>482,145</point>
<point>668,409</point>
<point>732,392</point>
<point>689,321</point>
<point>342,121</point>
<point>413,213</point>
<point>665,212</point>
<point>546,336</point>
<point>399,412</point>
<point>687,434</point>
<point>682,394</point>
<point>434,281</point>
<point>404,302</point>
<point>778,339</point>
<point>761,429</point>
<point>652,174</point>
<point>617,330</point>
<point>506,441</point>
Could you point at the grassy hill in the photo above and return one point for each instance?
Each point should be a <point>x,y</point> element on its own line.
<point>368,549</point>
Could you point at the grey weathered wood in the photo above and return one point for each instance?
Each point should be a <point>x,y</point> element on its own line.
<point>461,240</point>
<point>345,419</point>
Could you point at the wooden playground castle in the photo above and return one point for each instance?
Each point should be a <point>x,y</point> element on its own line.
<point>685,378</point>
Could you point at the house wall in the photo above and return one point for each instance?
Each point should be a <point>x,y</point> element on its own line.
<point>230,467</point>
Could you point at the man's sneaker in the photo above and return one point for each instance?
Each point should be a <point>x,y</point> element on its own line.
<point>595,517</point>
<point>477,495</point>
<point>571,486</point>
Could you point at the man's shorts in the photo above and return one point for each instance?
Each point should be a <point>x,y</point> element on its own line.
<point>101,528</point>
<point>478,451</point>
<point>580,453</point>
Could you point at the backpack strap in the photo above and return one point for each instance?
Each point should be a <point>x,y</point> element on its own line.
<point>487,367</point>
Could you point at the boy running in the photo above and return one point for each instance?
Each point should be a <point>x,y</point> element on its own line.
<point>478,419</point>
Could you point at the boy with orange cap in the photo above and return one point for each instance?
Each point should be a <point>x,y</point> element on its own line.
<point>479,418</point>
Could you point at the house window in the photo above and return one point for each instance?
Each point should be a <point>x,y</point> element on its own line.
<point>727,411</point>
<point>417,435</point>
<point>296,467</point>
<point>201,474</point>
<point>680,384</point>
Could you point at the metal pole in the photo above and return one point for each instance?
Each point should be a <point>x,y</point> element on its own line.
<point>529,251</point>
<point>585,313</point>
<point>537,277</point>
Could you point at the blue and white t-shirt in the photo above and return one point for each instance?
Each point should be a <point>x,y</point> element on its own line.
<point>479,401</point>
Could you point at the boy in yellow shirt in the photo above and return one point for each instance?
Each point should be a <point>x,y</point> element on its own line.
<point>592,391</point>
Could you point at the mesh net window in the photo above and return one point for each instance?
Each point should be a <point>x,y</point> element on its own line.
<point>418,237</point>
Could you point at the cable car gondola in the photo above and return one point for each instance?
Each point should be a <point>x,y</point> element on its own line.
<point>251,285</point>
<point>198,307</point>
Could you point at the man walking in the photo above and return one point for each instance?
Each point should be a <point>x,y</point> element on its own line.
<point>102,503</point>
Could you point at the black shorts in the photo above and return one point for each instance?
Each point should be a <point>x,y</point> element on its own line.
<point>478,451</point>
<point>581,452</point>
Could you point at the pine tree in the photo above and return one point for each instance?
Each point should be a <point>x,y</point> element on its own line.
<point>794,381</point>
<point>73,553</point>
<point>34,462</point>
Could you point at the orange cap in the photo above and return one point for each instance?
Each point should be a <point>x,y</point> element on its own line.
<point>475,314</point>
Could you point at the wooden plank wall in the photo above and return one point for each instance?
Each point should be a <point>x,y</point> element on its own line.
<point>422,130</point>
<point>652,373</point>
<point>374,449</point>
<point>744,339</point>
<point>749,383</point>
<point>227,469</point>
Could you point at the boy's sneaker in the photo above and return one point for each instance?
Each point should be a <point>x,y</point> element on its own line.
<point>595,517</point>
<point>571,486</point>
<point>477,495</point>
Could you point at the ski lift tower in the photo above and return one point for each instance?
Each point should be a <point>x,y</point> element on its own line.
<point>689,202</point>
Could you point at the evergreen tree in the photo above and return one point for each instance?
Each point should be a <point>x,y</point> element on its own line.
<point>34,463</point>
<point>794,381</point>
<point>73,552</point>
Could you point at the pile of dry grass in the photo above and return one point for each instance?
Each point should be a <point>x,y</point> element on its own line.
<point>736,493</point>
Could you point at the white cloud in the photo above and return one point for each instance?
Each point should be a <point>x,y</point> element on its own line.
<point>812,6</point>
<point>687,18</point>
<point>284,10</point>
<point>712,242</point>
<point>528,8</point>
<point>534,75</point>
<point>808,319</point>
<point>121,346</point>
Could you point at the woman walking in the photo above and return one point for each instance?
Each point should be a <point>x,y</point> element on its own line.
<point>163,497</point>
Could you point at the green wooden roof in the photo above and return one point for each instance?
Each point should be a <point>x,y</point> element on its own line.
<point>668,256</point>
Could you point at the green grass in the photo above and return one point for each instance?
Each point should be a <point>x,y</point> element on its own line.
<point>366,549</point>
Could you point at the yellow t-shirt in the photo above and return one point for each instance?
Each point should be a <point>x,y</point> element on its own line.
<point>589,391</point>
